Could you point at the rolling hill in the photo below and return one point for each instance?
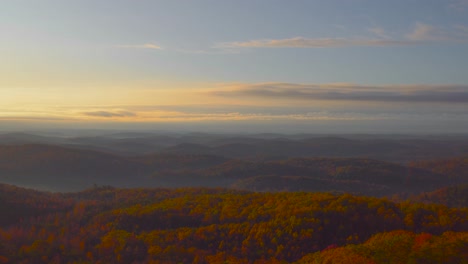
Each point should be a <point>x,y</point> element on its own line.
<point>51,167</point>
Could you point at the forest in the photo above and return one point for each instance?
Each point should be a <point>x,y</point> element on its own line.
<point>69,203</point>
<point>199,225</point>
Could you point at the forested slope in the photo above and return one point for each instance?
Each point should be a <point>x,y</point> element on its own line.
<point>67,169</point>
<point>107,225</point>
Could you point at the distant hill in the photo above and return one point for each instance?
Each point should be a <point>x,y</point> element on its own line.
<point>25,138</point>
<point>188,148</point>
<point>17,203</point>
<point>298,183</point>
<point>329,174</point>
<point>455,170</point>
<point>59,168</point>
<point>73,169</point>
<point>394,148</point>
<point>454,196</point>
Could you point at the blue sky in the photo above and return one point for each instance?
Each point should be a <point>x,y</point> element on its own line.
<point>360,62</point>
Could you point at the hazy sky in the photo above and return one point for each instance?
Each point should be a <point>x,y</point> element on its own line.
<point>299,66</point>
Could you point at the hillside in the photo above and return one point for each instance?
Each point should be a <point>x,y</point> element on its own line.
<point>392,148</point>
<point>19,203</point>
<point>309,184</point>
<point>58,168</point>
<point>398,247</point>
<point>454,169</point>
<point>388,149</point>
<point>107,225</point>
<point>454,196</point>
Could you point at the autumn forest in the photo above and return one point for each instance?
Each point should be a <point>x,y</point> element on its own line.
<point>210,199</point>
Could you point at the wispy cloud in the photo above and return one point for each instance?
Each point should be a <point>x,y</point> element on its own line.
<point>349,92</point>
<point>420,34</point>
<point>264,108</point>
<point>427,33</point>
<point>141,46</point>
<point>109,114</point>
<point>458,5</point>
<point>180,113</point>
<point>208,51</point>
<point>34,118</point>
<point>301,42</point>
<point>380,32</point>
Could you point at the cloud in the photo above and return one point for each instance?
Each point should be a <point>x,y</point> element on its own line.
<point>349,92</point>
<point>458,5</point>
<point>282,113</point>
<point>301,42</point>
<point>34,118</point>
<point>421,33</point>
<point>294,111</point>
<point>426,33</point>
<point>380,32</point>
<point>142,46</point>
<point>109,114</point>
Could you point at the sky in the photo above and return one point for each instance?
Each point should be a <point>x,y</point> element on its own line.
<point>317,66</point>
